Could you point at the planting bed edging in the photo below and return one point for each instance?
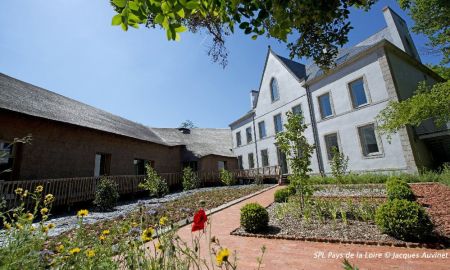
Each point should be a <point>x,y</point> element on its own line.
<point>340,241</point>
<point>188,220</point>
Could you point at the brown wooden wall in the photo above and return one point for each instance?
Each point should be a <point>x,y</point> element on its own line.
<point>60,150</point>
<point>209,163</point>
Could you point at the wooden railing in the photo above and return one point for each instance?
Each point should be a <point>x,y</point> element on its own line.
<point>68,191</point>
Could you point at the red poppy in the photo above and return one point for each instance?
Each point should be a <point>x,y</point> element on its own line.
<point>200,219</point>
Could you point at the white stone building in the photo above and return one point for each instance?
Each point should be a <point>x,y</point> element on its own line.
<point>340,106</point>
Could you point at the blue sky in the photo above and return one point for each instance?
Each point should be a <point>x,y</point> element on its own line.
<point>70,47</point>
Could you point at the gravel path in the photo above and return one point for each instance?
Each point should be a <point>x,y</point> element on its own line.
<point>372,190</point>
<point>67,222</point>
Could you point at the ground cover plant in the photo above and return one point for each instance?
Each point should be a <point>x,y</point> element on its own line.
<point>118,246</point>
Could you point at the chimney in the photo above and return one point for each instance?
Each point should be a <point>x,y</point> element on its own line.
<point>253,98</point>
<point>399,32</point>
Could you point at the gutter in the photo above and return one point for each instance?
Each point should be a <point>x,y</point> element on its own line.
<point>314,129</point>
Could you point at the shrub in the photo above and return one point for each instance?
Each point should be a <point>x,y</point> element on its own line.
<point>106,194</point>
<point>404,220</point>
<point>227,178</point>
<point>190,179</point>
<point>398,189</point>
<point>153,183</point>
<point>339,164</point>
<point>254,217</point>
<point>282,195</point>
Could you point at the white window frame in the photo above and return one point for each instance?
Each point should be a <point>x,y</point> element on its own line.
<point>380,152</point>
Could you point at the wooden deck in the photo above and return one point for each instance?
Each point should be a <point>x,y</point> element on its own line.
<point>68,191</point>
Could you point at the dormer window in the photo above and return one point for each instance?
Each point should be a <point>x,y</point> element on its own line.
<point>274,93</point>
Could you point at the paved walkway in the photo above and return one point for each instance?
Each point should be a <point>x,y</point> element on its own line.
<point>289,254</point>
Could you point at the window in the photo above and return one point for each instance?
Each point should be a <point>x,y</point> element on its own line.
<point>331,140</point>
<point>262,129</point>
<point>238,139</point>
<point>221,165</point>
<point>248,134</point>
<point>325,105</point>
<point>277,123</point>
<point>6,159</point>
<point>191,164</point>
<point>139,166</point>
<point>274,93</point>
<point>368,140</point>
<point>251,161</point>
<point>298,111</point>
<point>358,93</point>
<point>264,158</point>
<point>102,164</point>
<point>241,166</point>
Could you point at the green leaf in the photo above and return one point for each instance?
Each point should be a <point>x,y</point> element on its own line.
<point>180,29</point>
<point>192,5</point>
<point>133,6</point>
<point>165,23</point>
<point>169,34</point>
<point>120,3</point>
<point>124,27</point>
<point>165,7</point>
<point>254,37</point>
<point>159,18</point>
<point>117,19</point>
<point>181,13</point>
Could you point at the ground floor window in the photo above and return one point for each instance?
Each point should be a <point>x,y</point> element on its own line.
<point>221,165</point>
<point>6,159</point>
<point>192,164</point>
<point>240,164</point>
<point>264,158</point>
<point>139,166</point>
<point>368,140</point>
<point>331,141</point>
<point>251,161</point>
<point>102,164</point>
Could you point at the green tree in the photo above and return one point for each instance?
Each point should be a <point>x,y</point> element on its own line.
<point>339,164</point>
<point>432,18</point>
<point>309,28</point>
<point>294,144</point>
<point>187,124</point>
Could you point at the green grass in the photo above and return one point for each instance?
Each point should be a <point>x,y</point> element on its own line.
<point>441,176</point>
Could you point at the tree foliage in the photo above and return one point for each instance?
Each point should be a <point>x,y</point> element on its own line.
<point>309,28</point>
<point>432,18</point>
<point>298,151</point>
<point>339,164</point>
<point>187,124</point>
<point>428,102</point>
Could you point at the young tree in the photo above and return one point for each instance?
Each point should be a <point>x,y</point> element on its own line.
<point>298,151</point>
<point>339,164</point>
<point>187,124</point>
<point>309,28</point>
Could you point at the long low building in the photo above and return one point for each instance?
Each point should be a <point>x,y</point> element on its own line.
<point>72,139</point>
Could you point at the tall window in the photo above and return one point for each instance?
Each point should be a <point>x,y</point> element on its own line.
<point>221,165</point>
<point>278,123</point>
<point>368,140</point>
<point>358,93</point>
<point>6,159</point>
<point>251,161</point>
<point>238,139</point>
<point>264,158</point>
<point>297,109</point>
<point>331,140</point>
<point>139,166</point>
<point>248,133</point>
<point>241,166</point>
<point>262,129</point>
<point>274,93</point>
<point>325,105</point>
<point>102,164</point>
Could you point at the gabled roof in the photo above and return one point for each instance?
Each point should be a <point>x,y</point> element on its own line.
<point>296,68</point>
<point>22,97</point>
<point>200,141</point>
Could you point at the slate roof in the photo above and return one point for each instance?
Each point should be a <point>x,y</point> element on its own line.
<point>201,141</point>
<point>295,67</point>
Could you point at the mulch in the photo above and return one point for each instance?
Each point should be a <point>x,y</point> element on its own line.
<point>435,197</point>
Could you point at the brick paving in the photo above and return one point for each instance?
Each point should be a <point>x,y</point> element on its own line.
<point>289,254</point>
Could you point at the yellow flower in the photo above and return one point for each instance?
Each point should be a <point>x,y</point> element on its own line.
<point>147,234</point>
<point>163,221</point>
<point>102,238</point>
<point>19,226</point>
<point>39,189</point>
<point>60,248</point>
<point>29,216</point>
<point>82,213</point>
<point>44,211</point>
<point>49,198</point>
<point>74,251</point>
<point>222,256</point>
<point>7,225</point>
<point>25,193</point>
<point>19,191</point>
<point>51,226</point>
<point>90,253</point>
<point>134,224</point>
<point>106,232</point>
<point>159,247</point>
<point>32,228</point>
<point>44,229</point>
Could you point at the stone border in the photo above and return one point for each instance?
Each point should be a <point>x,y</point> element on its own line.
<point>188,220</point>
<point>340,241</point>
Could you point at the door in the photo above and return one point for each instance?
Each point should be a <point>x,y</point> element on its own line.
<point>282,162</point>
